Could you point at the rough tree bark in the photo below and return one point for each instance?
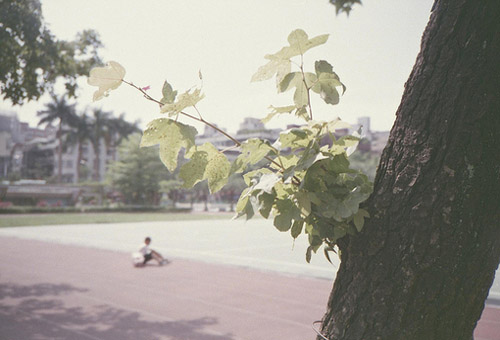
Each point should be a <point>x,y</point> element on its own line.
<point>423,265</point>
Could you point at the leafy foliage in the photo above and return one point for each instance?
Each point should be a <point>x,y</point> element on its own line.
<point>185,100</point>
<point>172,136</point>
<point>32,59</point>
<point>138,172</point>
<point>306,183</point>
<point>365,162</point>
<point>206,162</point>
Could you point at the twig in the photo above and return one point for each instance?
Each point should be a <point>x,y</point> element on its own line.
<point>201,120</point>
<point>147,96</point>
<point>307,88</point>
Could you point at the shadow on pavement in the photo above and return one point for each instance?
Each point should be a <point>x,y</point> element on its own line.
<point>41,289</point>
<point>32,312</point>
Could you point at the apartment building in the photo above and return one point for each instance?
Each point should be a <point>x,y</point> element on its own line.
<point>32,152</point>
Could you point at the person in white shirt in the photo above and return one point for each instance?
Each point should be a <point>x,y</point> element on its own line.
<point>150,253</point>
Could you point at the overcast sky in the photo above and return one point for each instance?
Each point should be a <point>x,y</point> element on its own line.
<point>373,51</point>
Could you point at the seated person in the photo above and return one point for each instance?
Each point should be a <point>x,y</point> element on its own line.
<point>150,253</point>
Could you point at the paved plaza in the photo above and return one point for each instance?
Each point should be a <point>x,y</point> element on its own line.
<point>228,280</point>
<point>254,243</point>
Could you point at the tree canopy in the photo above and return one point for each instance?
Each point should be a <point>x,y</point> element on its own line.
<point>32,58</point>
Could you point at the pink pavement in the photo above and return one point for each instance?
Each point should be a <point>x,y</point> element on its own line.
<point>53,291</point>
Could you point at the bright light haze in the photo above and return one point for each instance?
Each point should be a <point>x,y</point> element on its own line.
<point>372,50</point>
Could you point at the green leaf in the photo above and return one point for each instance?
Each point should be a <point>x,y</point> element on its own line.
<point>244,206</point>
<point>301,112</point>
<point>276,66</point>
<point>295,138</point>
<point>309,254</point>
<point>282,221</point>
<point>304,202</point>
<point>327,82</point>
<point>168,94</point>
<point>278,110</point>
<point>300,42</point>
<point>309,156</point>
<point>172,136</point>
<point>279,63</point>
<point>326,86</point>
<point>217,171</point>
<point>310,79</point>
<point>301,84</point>
<point>266,201</point>
<point>314,198</point>
<point>348,141</point>
<point>341,209</point>
<point>267,181</point>
<point>297,228</point>
<point>242,200</point>
<point>338,233</point>
<point>284,215</point>
<point>323,66</point>
<point>284,190</point>
<point>327,250</point>
<point>187,99</point>
<point>252,151</point>
<point>287,161</point>
<point>359,219</point>
<point>253,176</point>
<point>106,78</point>
<point>206,163</point>
<point>193,171</point>
<point>290,81</point>
<point>339,164</point>
<point>337,124</point>
<point>286,211</point>
<point>300,97</point>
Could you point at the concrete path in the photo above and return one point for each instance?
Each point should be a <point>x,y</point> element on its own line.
<point>228,281</point>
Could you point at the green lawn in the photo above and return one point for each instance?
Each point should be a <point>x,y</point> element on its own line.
<point>15,220</point>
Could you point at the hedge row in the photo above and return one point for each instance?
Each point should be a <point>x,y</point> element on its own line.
<point>129,208</point>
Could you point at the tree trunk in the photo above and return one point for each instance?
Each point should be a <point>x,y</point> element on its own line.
<point>424,263</point>
<point>97,161</point>
<point>59,152</point>
<point>78,162</point>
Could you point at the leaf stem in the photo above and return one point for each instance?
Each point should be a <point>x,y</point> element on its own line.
<point>199,119</point>
<point>147,96</point>
<point>308,94</point>
<point>213,126</point>
<point>199,114</point>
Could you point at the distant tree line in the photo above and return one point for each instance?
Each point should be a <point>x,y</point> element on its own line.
<point>79,128</point>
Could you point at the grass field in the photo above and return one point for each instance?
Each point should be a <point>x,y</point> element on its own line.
<point>83,218</point>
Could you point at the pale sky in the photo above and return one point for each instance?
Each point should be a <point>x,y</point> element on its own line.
<point>373,51</point>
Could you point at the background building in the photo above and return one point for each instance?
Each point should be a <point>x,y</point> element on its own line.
<point>31,153</point>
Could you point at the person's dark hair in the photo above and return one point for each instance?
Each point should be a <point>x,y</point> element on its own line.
<point>148,239</point>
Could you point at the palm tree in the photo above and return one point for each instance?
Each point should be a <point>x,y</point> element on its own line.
<point>119,130</point>
<point>100,130</point>
<point>81,133</point>
<point>61,111</point>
